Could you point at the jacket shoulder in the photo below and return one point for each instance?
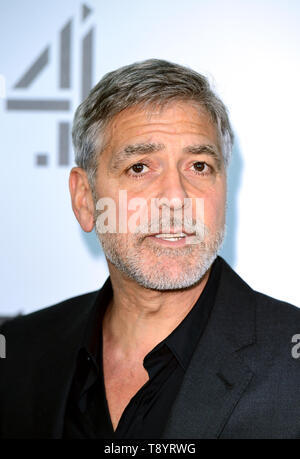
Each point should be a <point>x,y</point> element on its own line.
<point>277,325</point>
<point>266,305</point>
<point>277,311</point>
<point>54,317</point>
<point>276,321</point>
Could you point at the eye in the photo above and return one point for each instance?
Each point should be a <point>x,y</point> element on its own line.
<point>200,167</point>
<point>137,169</point>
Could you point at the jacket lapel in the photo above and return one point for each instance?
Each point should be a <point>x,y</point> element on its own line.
<point>217,376</point>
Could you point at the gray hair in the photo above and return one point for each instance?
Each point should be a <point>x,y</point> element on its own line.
<point>148,83</point>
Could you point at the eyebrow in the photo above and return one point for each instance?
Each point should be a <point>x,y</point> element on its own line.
<point>145,148</point>
<point>205,149</point>
<point>134,150</point>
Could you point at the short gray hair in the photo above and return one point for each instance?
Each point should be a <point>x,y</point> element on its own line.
<point>151,82</point>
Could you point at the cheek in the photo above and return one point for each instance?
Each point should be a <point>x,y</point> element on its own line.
<point>214,209</point>
<point>131,211</point>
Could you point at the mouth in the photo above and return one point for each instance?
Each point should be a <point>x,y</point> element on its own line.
<point>170,236</point>
<point>176,239</point>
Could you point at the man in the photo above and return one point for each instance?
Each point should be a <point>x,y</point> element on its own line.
<point>175,344</point>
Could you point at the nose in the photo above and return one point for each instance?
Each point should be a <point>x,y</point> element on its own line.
<point>172,191</point>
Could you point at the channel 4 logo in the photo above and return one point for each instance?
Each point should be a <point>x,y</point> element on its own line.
<point>67,41</point>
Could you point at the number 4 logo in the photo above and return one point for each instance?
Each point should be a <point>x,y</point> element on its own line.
<point>59,105</point>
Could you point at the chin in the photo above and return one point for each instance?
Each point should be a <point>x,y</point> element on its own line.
<point>168,277</point>
<point>166,283</point>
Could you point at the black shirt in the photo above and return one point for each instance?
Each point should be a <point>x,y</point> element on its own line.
<point>87,414</point>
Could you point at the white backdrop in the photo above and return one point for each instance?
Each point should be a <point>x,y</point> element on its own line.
<point>250,51</point>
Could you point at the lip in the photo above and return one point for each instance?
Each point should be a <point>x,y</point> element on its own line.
<point>174,231</point>
<point>169,243</point>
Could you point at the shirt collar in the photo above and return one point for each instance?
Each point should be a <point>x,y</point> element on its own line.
<point>181,341</point>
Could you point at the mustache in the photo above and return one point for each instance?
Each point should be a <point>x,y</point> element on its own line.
<point>165,225</point>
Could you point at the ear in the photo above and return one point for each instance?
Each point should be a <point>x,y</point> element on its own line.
<point>82,198</point>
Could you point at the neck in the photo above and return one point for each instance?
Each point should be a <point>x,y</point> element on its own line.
<point>137,318</point>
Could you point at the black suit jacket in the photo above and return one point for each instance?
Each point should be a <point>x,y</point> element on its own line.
<point>242,381</point>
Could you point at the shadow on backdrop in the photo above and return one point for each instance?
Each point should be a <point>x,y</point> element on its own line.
<point>228,250</point>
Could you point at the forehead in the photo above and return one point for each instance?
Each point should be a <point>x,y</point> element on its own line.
<point>178,121</point>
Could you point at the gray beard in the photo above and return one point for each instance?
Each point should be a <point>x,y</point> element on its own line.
<point>194,261</point>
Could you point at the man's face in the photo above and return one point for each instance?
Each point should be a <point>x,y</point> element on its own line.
<point>168,155</point>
